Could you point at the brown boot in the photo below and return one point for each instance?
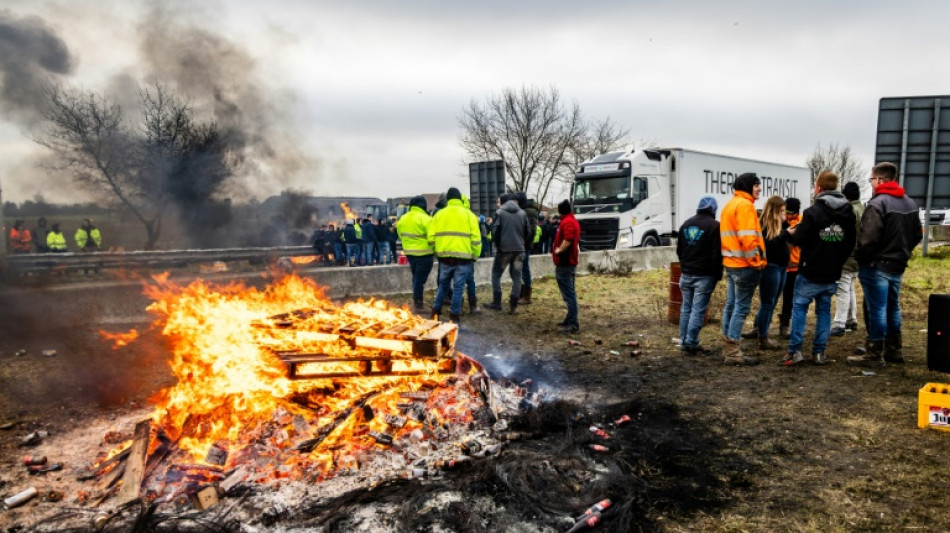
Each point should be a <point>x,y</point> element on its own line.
<point>873,358</point>
<point>751,334</point>
<point>732,354</point>
<point>783,326</point>
<point>525,295</point>
<point>765,343</point>
<point>894,348</point>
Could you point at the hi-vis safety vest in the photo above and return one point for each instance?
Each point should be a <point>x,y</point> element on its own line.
<point>413,230</point>
<point>537,234</point>
<point>56,242</point>
<point>794,252</point>
<point>742,242</point>
<point>454,232</point>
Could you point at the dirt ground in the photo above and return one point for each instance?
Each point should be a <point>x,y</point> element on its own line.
<point>764,448</point>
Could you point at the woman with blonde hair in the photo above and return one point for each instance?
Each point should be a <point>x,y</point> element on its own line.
<point>773,276</point>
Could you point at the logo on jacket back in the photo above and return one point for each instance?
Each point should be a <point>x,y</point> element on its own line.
<point>692,234</point>
<point>832,233</point>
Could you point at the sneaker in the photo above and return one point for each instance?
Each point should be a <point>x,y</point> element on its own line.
<point>851,325</point>
<point>819,358</point>
<point>695,350</point>
<point>837,332</point>
<point>494,306</point>
<point>568,328</point>
<point>792,359</point>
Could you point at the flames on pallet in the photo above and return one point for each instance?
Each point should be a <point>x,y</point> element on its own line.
<point>282,383</point>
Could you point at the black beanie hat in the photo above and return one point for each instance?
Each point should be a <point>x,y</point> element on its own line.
<point>453,194</point>
<point>522,199</point>
<point>564,207</point>
<point>419,201</point>
<point>851,191</point>
<point>793,206</point>
<point>746,181</point>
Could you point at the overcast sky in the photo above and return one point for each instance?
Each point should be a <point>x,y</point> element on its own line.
<point>362,98</point>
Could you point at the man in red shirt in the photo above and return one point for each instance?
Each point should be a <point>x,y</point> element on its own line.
<point>565,253</point>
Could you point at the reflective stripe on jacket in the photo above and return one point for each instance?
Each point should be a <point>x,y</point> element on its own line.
<point>454,233</point>
<point>413,230</point>
<point>741,234</point>
<point>794,252</point>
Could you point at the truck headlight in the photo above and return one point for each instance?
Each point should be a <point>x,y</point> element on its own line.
<point>623,241</point>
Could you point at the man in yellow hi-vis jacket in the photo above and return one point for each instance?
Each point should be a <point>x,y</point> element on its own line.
<point>457,241</point>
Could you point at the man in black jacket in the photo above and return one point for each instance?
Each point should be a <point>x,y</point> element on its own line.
<point>826,237</point>
<point>699,249</point>
<point>890,229</point>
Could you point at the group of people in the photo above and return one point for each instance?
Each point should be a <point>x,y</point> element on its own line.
<point>43,239</point>
<point>356,244</point>
<point>456,237</point>
<point>802,257</point>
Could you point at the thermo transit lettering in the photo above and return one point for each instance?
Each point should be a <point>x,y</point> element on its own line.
<point>720,182</point>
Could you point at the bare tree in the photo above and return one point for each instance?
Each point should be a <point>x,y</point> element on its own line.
<point>540,140</point>
<point>164,160</point>
<point>841,161</point>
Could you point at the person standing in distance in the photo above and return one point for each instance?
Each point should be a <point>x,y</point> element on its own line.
<point>565,254</point>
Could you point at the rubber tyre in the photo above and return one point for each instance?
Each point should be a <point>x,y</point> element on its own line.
<point>650,241</point>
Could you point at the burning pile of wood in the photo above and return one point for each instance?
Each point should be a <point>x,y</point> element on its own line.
<point>322,399</point>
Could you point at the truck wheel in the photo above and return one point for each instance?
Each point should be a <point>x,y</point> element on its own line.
<point>650,240</point>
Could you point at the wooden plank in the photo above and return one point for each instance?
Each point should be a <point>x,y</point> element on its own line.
<point>393,330</point>
<point>439,332</point>
<point>135,464</point>
<point>393,345</point>
<point>419,330</point>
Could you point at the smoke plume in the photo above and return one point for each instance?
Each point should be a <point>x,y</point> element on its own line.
<point>31,55</point>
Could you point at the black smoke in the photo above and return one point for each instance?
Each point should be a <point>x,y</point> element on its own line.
<point>31,55</point>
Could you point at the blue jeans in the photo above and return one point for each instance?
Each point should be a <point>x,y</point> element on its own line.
<point>470,286</point>
<point>338,255</point>
<point>420,266</point>
<point>367,258</point>
<point>565,282</point>
<point>805,292</point>
<point>352,254</point>
<point>741,284</point>
<point>456,275</point>
<point>882,292</point>
<point>770,288</point>
<point>526,268</point>
<point>383,252</point>
<point>697,290</point>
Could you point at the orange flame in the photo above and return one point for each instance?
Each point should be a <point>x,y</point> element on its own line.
<point>347,213</point>
<point>231,383</point>
<point>303,259</point>
<point>120,339</point>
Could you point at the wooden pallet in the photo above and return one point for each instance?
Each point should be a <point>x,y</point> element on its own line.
<point>379,350</point>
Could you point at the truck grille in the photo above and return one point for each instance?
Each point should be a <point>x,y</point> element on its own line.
<point>599,234</point>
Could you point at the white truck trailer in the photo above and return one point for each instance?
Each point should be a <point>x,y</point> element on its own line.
<point>641,197</point>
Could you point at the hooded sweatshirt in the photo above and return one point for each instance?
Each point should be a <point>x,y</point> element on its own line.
<point>826,236</point>
<point>511,230</point>
<point>890,229</point>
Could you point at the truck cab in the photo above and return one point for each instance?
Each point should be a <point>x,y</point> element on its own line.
<point>621,200</point>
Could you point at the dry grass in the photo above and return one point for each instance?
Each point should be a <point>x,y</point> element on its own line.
<point>827,449</point>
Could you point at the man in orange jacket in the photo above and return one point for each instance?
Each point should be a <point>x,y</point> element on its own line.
<point>20,238</point>
<point>743,256</point>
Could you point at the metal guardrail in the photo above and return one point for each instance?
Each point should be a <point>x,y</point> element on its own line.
<point>146,259</point>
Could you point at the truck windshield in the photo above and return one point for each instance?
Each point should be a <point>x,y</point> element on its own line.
<point>601,191</point>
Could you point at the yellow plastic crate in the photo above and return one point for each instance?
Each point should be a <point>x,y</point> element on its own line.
<point>933,406</point>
